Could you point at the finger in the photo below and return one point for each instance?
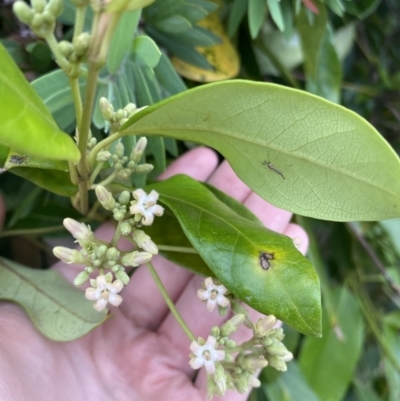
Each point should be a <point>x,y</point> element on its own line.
<point>149,306</point>
<point>2,212</point>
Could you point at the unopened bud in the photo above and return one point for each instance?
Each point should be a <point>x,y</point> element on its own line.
<point>105,197</point>
<point>130,108</point>
<point>81,278</point>
<point>231,325</point>
<point>37,21</point>
<point>68,255</point>
<point>220,379</point>
<point>66,48</point>
<point>81,44</point>
<point>118,166</point>
<point>121,275</point>
<point>78,230</point>
<point>119,215</point>
<point>124,174</point>
<point>107,109</point>
<point>38,5</point>
<point>138,150</point>
<point>55,7</point>
<point>145,242</point>
<point>120,149</point>
<point>120,114</point>
<point>124,197</point>
<point>215,331</point>
<point>23,12</point>
<point>264,325</point>
<point>101,251</point>
<point>112,253</point>
<point>144,168</point>
<point>125,228</point>
<point>48,17</point>
<point>278,334</point>
<point>254,363</point>
<point>277,363</point>
<point>135,258</point>
<point>242,384</point>
<point>103,156</point>
<point>277,348</point>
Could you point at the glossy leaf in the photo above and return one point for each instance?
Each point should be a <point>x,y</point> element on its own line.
<point>236,15</point>
<point>256,13</point>
<point>122,39</point>
<point>145,48</point>
<point>335,165</point>
<point>234,249</point>
<point>276,13</point>
<point>15,159</point>
<point>328,363</point>
<point>57,309</point>
<point>27,125</point>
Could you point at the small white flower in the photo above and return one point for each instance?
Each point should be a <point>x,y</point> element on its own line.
<point>145,206</point>
<point>205,355</point>
<point>213,294</point>
<point>104,291</point>
<point>78,230</point>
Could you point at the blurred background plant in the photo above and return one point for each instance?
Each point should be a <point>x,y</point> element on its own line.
<point>346,51</point>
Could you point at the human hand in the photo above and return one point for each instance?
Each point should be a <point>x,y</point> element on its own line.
<point>141,353</point>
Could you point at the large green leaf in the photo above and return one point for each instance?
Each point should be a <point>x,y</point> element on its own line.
<point>328,363</point>
<point>335,165</point>
<point>261,267</point>
<point>26,124</point>
<point>57,309</point>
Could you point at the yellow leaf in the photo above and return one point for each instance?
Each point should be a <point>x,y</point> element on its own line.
<point>223,57</point>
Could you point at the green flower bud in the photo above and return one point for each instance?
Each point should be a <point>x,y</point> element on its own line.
<point>81,278</point>
<point>276,348</point>
<point>37,21</point>
<point>264,325</point>
<point>48,17</point>
<point>121,275</point>
<point>120,149</point>
<point>144,168</point>
<point>229,343</point>
<point>81,44</point>
<point>66,48</point>
<point>101,251</point>
<point>144,241</point>
<point>89,269</point>
<point>119,215</point>
<point>120,114</point>
<point>220,379</point>
<point>118,166</point>
<point>231,325</point>
<point>96,263</point>
<point>124,197</point>
<point>114,158</point>
<point>105,197</point>
<point>92,142</point>
<point>215,331</point>
<point>124,174</point>
<point>107,109</point>
<point>131,165</point>
<point>242,384</point>
<point>254,363</point>
<point>112,254</point>
<point>130,108</point>
<point>103,156</point>
<point>38,5</point>
<point>125,228</point>
<point>135,258</point>
<point>55,7</point>
<point>277,363</point>
<point>23,12</point>
<point>278,334</point>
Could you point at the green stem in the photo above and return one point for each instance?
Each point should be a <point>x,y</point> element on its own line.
<point>169,302</point>
<point>117,235</point>
<point>107,181</point>
<point>73,173</point>
<point>95,173</point>
<point>80,13</point>
<point>102,145</point>
<point>76,95</point>
<point>182,249</point>
<point>60,59</point>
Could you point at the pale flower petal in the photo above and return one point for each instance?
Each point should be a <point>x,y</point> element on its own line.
<point>104,291</point>
<point>213,294</point>
<point>206,355</point>
<point>145,206</point>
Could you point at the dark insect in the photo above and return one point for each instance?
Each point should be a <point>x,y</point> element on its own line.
<point>272,167</point>
<point>264,260</point>
<point>17,159</point>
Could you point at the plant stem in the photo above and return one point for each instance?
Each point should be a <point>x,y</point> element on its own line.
<point>101,145</point>
<point>76,95</point>
<point>182,249</point>
<point>169,302</point>
<point>60,59</point>
<point>117,235</point>
<point>107,181</point>
<point>80,13</point>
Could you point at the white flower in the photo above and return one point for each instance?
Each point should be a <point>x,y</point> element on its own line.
<point>205,355</point>
<point>104,291</point>
<point>145,207</point>
<point>78,230</point>
<point>213,294</point>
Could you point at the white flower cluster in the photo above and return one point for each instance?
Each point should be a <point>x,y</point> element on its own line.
<point>231,366</point>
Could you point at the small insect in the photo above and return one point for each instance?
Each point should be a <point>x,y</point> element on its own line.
<point>264,260</point>
<point>17,159</point>
<point>272,167</point>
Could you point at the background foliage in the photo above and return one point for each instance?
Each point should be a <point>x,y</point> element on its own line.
<point>345,51</point>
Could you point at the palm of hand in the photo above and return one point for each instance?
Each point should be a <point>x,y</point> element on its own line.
<point>140,353</point>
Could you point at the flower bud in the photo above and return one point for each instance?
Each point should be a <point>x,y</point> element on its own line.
<point>277,363</point>
<point>136,258</point>
<point>112,253</point>
<point>278,334</point>
<point>119,215</point>
<point>229,343</point>
<point>48,17</point>
<point>120,114</point>
<point>121,275</point>
<point>277,348</point>
<point>66,48</point>
<point>231,325</point>
<point>264,325</point>
<point>23,12</point>
<point>68,255</point>
<point>38,5</point>
<point>118,166</point>
<point>107,109</point>
<point>124,174</point>
<point>81,278</point>
<point>55,7</point>
<point>120,149</point>
<point>103,156</point>
<point>92,142</point>
<point>144,241</point>
<point>81,44</point>
<point>124,197</point>
<point>125,228</point>
<point>215,331</point>
<point>138,150</point>
<point>220,379</point>
<point>37,21</point>
<point>78,230</point>
<point>105,197</point>
<point>254,363</point>
<point>144,168</point>
<point>130,108</point>
<point>101,250</point>
<point>242,384</point>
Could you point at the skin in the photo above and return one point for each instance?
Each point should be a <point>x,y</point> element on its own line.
<point>141,354</point>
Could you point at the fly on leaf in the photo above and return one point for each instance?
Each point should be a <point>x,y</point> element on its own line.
<point>272,167</point>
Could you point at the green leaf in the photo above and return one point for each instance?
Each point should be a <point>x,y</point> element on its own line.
<point>362,8</point>
<point>236,15</point>
<point>145,48</point>
<point>335,164</point>
<point>234,248</point>
<point>257,10</point>
<point>290,386</point>
<point>365,392</point>
<point>167,77</point>
<point>57,309</point>
<point>328,363</point>
<point>55,181</point>
<point>173,24</point>
<point>391,338</point>
<point>276,13</point>
<point>122,39</point>
<point>15,159</point>
<point>27,125</point>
